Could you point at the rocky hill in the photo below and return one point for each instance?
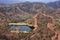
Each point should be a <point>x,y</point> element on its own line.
<point>55,4</point>
<point>12,13</point>
<point>18,12</point>
<point>38,14</point>
<point>41,32</point>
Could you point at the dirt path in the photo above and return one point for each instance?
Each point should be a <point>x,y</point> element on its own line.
<point>35,20</point>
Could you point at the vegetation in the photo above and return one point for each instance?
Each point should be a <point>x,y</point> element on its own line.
<point>58,27</point>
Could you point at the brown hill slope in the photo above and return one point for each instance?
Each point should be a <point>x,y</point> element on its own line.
<point>23,11</point>
<point>45,29</point>
<point>11,13</point>
<point>41,31</point>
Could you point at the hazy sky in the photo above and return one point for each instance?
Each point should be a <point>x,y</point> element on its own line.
<point>16,1</point>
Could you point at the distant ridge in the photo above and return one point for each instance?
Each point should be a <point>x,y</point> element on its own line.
<point>55,4</point>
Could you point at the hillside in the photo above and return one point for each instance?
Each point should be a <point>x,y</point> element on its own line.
<point>41,32</point>
<point>45,29</point>
<point>18,12</point>
<point>12,13</point>
<point>55,4</point>
<point>23,11</point>
<point>38,14</point>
